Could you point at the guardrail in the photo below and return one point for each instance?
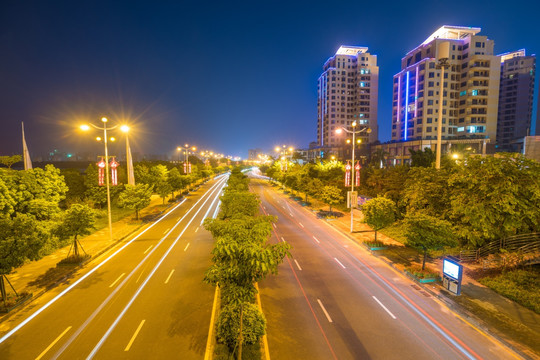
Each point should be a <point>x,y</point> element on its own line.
<point>524,244</point>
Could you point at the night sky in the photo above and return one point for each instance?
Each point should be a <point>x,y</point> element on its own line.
<point>226,76</point>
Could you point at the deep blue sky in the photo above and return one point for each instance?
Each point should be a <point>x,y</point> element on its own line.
<point>224,75</point>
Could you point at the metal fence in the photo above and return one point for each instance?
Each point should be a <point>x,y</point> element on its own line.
<point>524,243</point>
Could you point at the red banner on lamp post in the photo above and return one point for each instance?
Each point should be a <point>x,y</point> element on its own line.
<point>114,171</point>
<point>357,167</point>
<point>101,172</point>
<point>348,174</point>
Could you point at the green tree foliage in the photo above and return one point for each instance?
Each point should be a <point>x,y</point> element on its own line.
<point>422,158</point>
<point>7,202</point>
<point>228,324</point>
<point>428,233</point>
<point>176,181</point>
<point>21,238</point>
<point>75,183</point>
<point>8,161</point>
<point>98,194</point>
<point>379,213</point>
<point>331,195</point>
<point>238,204</point>
<point>495,197</point>
<point>78,220</point>
<point>427,190</point>
<point>135,197</point>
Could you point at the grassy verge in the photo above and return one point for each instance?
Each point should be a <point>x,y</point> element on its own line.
<point>519,285</point>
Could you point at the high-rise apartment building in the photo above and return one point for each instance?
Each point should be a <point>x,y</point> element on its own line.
<point>471,88</point>
<point>347,91</point>
<point>516,97</point>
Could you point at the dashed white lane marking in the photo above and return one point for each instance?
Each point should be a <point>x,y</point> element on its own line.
<point>291,214</point>
<point>169,277</point>
<point>282,239</point>
<point>166,230</point>
<point>301,224</point>
<point>134,336</point>
<point>339,262</point>
<point>186,247</point>
<point>117,280</point>
<point>298,265</point>
<point>197,229</point>
<point>324,310</point>
<point>274,225</point>
<point>148,249</point>
<point>314,238</point>
<point>54,342</point>
<point>384,307</point>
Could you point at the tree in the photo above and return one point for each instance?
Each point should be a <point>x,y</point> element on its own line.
<point>75,184</point>
<point>237,204</point>
<point>379,213</point>
<point>427,190</point>
<point>428,233</point>
<point>136,197</point>
<point>78,220</point>
<point>21,239</point>
<point>228,324</point>
<point>331,195</point>
<point>495,197</point>
<point>176,181</point>
<point>422,158</point>
<point>7,202</point>
<point>8,161</point>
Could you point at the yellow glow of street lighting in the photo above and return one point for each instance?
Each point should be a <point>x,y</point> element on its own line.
<point>359,141</point>
<point>455,156</point>
<point>186,145</point>
<point>98,138</point>
<point>194,148</point>
<point>104,119</point>
<point>124,128</point>
<point>178,148</point>
<point>113,138</point>
<point>348,141</point>
<point>338,131</point>
<point>84,127</point>
<point>291,149</point>
<point>353,124</point>
<point>332,157</point>
<point>277,149</point>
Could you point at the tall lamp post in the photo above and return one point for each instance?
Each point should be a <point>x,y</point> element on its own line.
<point>443,55</point>
<point>353,132</point>
<point>104,128</point>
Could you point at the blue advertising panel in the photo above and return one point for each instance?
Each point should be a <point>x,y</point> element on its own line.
<point>452,275</point>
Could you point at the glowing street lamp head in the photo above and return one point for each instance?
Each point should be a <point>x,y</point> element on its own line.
<point>98,138</point>
<point>113,139</point>
<point>194,148</point>
<point>455,156</point>
<point>186,145</point>
<point>277,149</point>
<point>339,131</point>
<point>124,128</point>
<point>84,127</point>
<point>353,124</point>
<point>291,148</point>
<point>359,141</point>
<point>104,119</point>
<point>348,141</point>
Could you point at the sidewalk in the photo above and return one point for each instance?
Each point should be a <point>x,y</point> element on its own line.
<point>513,324</point>
<point>36,277</point>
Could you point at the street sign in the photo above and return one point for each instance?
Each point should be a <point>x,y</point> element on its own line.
<point>452,275</point>
<point>352,198</point>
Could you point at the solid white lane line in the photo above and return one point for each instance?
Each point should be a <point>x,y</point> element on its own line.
<point>384,307</point>
<point>117,280</point>
<point>142,286</point>
<point>148,249</point>
<point>139,278</point>
<point>301,224</point>
<point>116,289</point>
<point>134,336</point>
<point>324,310</point>
<point>314,238</point>
<point>169,277</point>
<point>291,214</point>
<point>197,229</point>
<point>54,342</point>
<point>217,209</point>
<point>186,247</point>
<point>296,262</point>
<point>166,230</point>
<point>339,262</point>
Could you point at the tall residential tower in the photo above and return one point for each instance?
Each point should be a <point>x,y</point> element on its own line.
<point>516,97</point>
<point>471,88</point>
<point>347,91</point>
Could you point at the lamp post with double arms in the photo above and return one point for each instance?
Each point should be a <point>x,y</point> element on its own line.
<point>354,133</point>
<point>104,120</point>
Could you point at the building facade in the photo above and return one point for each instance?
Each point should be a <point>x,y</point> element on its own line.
<point>348,91</point>
<point>471,88</point>
<point>516,96</point>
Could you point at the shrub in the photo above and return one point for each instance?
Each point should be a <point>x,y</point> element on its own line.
<point>228,325</point>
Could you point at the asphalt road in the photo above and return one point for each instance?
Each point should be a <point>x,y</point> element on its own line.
<point>144,299</point>
<point>333,300</point>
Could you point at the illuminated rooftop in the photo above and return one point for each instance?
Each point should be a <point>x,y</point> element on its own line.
<point>512,54</point>
<point>351,50</point>
<point>452,33</point>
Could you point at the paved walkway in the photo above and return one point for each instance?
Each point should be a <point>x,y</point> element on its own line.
<point>516,325</point>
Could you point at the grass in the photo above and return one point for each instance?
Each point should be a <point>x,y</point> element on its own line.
<point>520,285</point>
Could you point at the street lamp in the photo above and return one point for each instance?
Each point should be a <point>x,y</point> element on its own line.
<point>443,54</point>
<point>104,128</point>
<point>353,132</point>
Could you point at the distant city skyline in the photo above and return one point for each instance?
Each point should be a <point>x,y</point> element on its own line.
<point>227,77</point>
